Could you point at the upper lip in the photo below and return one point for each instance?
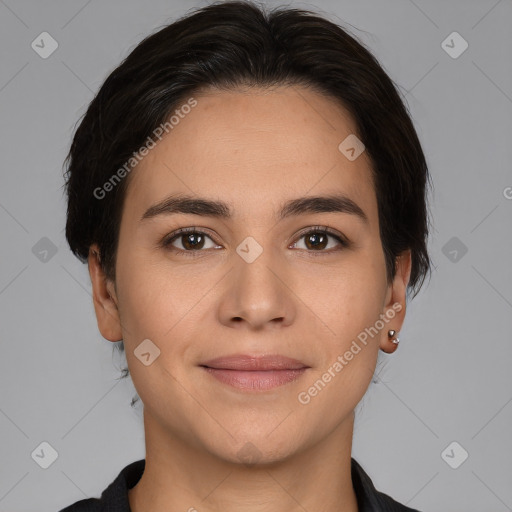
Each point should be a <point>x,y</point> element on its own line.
<point>254,363</point>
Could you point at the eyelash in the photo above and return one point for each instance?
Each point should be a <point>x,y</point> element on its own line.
<point>167,241</point>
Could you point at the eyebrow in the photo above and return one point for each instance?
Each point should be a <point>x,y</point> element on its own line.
<point>336,203</point>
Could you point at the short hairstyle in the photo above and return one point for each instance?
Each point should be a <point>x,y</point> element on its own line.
<point>230,45</point>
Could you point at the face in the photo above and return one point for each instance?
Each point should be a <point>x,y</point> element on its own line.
<point>256,282</point>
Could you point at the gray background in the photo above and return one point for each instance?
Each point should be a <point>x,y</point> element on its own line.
<point>450,379</point>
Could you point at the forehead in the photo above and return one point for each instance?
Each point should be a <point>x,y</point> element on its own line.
<point>254,148</point>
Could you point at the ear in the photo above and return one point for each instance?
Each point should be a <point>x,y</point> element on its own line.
<point>104,298</point>
<point>395,305</point>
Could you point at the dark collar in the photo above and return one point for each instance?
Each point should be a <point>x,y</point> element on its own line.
<point>115,497</point>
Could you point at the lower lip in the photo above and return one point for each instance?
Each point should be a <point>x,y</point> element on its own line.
<point>255,380</point>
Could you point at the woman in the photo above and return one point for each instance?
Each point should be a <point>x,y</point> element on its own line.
<point>249,192</point>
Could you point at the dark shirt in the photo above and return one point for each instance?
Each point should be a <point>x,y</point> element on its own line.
<point>115,497</point>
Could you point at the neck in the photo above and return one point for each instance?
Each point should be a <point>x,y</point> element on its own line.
<point>180,476</point>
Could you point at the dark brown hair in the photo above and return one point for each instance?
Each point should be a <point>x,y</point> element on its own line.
<point>233,44</point>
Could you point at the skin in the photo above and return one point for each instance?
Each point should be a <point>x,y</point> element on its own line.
<point>254,149</point>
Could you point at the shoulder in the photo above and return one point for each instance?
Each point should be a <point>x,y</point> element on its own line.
<point>86,505</point>
<point>115,497</point>
<point>369,499</point>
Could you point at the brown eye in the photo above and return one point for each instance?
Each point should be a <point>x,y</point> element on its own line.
<point>190,241</point>
<point>317,240</point>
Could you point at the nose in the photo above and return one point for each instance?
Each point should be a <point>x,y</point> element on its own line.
<point>257,295</point>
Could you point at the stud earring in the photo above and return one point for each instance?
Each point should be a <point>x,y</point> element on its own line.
<point>391,334</point>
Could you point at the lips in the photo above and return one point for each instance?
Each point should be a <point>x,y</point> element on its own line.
<point>254,373</point>
<point>254,363</point>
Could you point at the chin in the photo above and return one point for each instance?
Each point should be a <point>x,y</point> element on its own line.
<point>252,450</point>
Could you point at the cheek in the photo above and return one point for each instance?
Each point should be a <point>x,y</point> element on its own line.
<point>344,300</point>
<point>165,306</point>
<point>349,305</point>
<point>156,296</point>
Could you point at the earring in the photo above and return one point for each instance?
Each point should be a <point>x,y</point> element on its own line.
<point>391,334</point>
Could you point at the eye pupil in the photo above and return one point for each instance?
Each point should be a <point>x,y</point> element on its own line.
<point>315,236</point>
<point>189,241</point>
